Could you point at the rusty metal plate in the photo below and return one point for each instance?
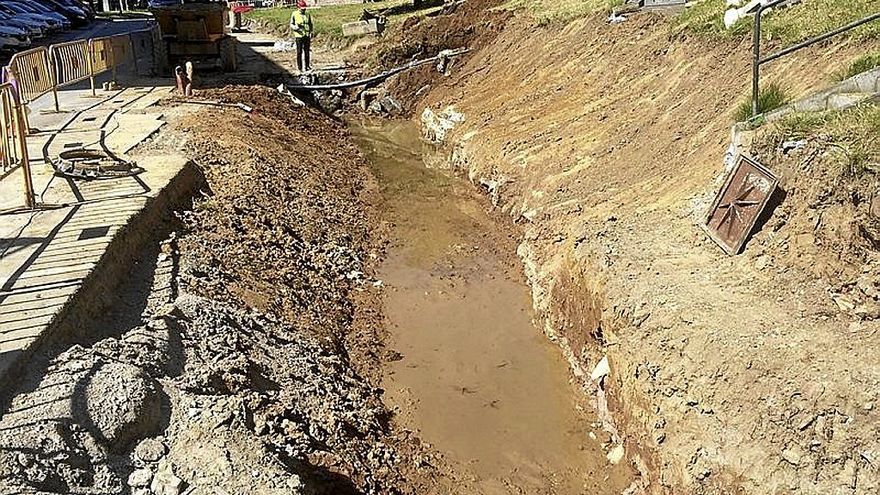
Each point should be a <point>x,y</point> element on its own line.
<point>739,204</point>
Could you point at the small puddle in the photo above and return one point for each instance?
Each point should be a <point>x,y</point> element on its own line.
<point>476,378</point>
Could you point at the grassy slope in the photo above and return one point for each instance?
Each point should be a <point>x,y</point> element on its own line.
<point>856,131</point>
<point>787,26</point>
<point>329,20</point>
<point>780,27</point>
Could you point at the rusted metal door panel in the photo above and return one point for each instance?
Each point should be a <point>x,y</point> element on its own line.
<point>739,204</point>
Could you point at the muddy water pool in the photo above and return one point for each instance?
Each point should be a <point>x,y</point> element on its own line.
<point>476,378</point>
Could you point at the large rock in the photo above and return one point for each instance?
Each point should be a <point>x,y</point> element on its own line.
<point>122,404</point>
<point>165,482</point>
<point>150,450</point>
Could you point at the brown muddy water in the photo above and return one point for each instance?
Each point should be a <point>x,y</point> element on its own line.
<point>476,379</point>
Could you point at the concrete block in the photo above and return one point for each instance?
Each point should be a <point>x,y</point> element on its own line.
<point>867,82</point>
<point>845,100</point>
<point>360,28</point>
<point>663,3</point>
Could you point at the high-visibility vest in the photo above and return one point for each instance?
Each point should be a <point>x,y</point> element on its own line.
<point>302,20</point>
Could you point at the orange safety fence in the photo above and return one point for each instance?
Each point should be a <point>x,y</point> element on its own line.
<point>13,140</point>
<point>71,61</point>
<point>122,52</point>
<point>32,74</point>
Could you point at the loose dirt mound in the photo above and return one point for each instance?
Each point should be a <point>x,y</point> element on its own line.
<point>472,24</point>
<point>828,224</point>
<point>279,230</point>
<point>239,377</point>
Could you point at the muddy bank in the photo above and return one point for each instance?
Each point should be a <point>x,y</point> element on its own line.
<point>607,149</point>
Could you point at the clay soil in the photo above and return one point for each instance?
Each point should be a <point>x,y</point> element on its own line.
<point>747,374</point>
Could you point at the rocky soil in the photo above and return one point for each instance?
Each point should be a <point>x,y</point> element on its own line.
<point>228,364</point>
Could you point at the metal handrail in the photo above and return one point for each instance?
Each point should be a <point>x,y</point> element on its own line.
<point>757,61</point>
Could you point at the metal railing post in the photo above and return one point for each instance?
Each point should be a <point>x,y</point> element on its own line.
<point>53,70</point>
<point>16,83</point>
<point>22,128</point>
<point>90,55</point>
<point>756,59</point>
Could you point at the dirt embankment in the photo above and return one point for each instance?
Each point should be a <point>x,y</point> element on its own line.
<point>472,24</point>
<point>236,359</point>
<point>728,375</point>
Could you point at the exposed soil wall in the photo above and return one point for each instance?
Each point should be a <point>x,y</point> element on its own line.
<point>607,142</point>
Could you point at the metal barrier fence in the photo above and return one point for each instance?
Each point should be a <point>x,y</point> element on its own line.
<point>120,46</point>
<point>100,51</point>
<point>33,76</point>
<point>34,73</point>
<point>122,53</point>
<point>41,70</point>
<point>13,141</point>
<point>71,61</point>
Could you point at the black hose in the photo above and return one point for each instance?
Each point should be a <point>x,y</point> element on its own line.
<point>378,77</point>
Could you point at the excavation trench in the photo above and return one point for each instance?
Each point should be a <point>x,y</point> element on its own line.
<point>474,376</point>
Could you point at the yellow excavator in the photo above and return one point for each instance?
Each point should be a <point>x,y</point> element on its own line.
<point>196,31</point>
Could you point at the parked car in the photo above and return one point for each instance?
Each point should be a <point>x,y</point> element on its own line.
<point>18,12</point>
<point>34,29</point>
<point>38,8</point>
<point>76,13</point>
<point>13,38</point>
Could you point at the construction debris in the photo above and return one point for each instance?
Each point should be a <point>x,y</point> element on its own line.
<point>237,378</point>
<point>361,28</point>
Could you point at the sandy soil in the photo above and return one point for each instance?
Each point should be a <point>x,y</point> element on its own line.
<point>728,375</point>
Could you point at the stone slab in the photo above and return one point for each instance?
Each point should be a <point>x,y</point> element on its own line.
<point>360,28</point>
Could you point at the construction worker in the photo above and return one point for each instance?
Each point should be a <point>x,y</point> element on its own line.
<point>301,25</point>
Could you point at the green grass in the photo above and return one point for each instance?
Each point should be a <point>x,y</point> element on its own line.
<point>771,97</point>
<point>862,64</point>
<point>785,26</point>
<point>854,132</point>
<point>705,17</point>
<point>328,20</point>
<point>551,12</point>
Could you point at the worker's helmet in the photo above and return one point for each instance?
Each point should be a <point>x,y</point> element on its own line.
<point>301,4</point>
